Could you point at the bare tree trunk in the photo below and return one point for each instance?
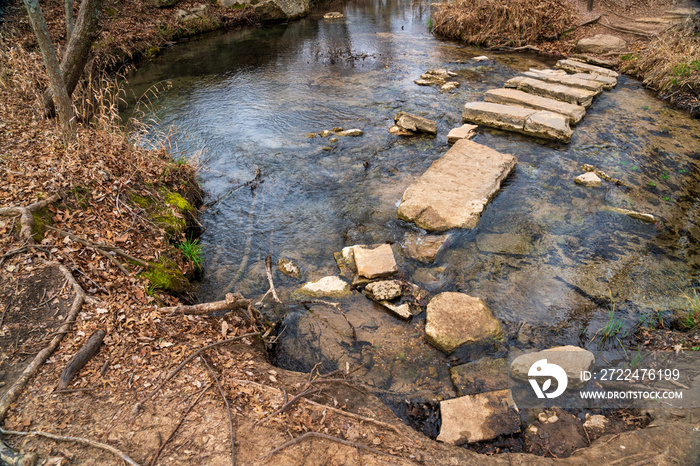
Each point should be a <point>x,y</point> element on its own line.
<point>58,87</point>
<point>78,50</point>
<point>69,19</point>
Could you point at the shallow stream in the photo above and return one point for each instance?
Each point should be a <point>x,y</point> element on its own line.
<point>547,257</point>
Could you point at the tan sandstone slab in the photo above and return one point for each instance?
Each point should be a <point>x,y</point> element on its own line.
<point>574,113</point>
<point>567,80</point>
<point>539,123</point>
<point>573,95</point>
<point>573,66</point>
<point>376,262</point>
<point>474,418</point>
<point>453,319</point>
<point>608,81</point>
<point>463,132</point>
<point>456,188</point>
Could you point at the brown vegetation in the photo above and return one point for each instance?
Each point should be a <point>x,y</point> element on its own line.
<point>670,64</point>
<point>495,23</point>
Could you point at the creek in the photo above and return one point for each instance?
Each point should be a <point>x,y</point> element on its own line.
<point>547,257</point>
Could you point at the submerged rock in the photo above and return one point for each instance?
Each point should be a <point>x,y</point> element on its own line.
<point>375,263</point>
<point>350,133</point>
<point>403,310</point>
<point>449,86</point>
<point>454,319</point>
<point>484,375</point>
<point>456,188</point>
<point>589,179</point>
<point>481,58</point>
<point>424,248</point>
<point>648,218</point>
<point>331,287</point>
<point>288,268</point>
<point>505,243</point>
<point>384,290</point>
<point>424,82</point>
<point>415,123</point>
<point>474,418</point>
<point>570,358</point>
<point>399,131</point>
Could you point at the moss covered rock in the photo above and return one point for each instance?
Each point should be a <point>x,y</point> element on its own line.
<point>166,276</point>
<point>170,212</point>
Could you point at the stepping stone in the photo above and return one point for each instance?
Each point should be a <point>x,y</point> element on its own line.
<point>453,319</point>
<point>567,80</point>
<point>455,189</point>
<point>474,418</point>
<point>556,91</point>
<point>573,66</point>
<point>601,43</point>
<point>463,132</point>
<point>608,81</point>
<point>375,263</point>
<point>574,113</point>
<point>570,358</point>
<point>540,123</point>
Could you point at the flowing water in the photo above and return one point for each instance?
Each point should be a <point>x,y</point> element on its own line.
<point>547,257</point>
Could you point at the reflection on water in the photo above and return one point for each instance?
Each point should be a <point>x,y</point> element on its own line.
<point>545,252</point>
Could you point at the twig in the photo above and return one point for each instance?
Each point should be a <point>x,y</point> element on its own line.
<point>33,368</point>
<point>232,301</point>
<point>191,357</point>
<point>268,269</point>
<point>62,438</point>
<point>284,407</point>
<point>100,248</point>
<point>26,218</point>
<point>359,418</point>
<point>2,317</point>
<point>182,419</point>
<point>228,409</point>
<point>325,437</point>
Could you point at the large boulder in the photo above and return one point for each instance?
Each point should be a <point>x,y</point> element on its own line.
<point>474,418</point>
<point>601,43</point>
<point>454,319</point>
<point>454,191</point>
<point>272,10</point>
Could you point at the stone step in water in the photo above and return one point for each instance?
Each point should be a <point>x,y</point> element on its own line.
<point>574,66</point>
<point>539,123</point>
<point>456,188</point>
<point>574,113</point>
<point>567,80</point>
<point>561,92</point>
<point>608,81</point>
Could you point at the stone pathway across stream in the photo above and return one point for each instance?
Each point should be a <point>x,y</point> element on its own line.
<point>453,193</point>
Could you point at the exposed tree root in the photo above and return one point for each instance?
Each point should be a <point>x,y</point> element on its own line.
<point>26,218</point>
<point>62,438</point>
<point>84,354</point>
<point>232,301</point>
<point>33,368</point>
<point>325,437</point>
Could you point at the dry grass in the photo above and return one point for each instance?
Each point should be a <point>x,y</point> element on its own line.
<point>670,64</point>
<point>496,23</point>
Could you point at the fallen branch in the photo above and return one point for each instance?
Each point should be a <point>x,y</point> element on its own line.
<point>100,248</point>
<point>84,441</point>
<point>586,23</point>
<point>325,437</point>
<point>26,218</point>
<point>268,269</point>
<point>228,409</point>
<point>190,358</point>
<point>232,301</point>
<point>84,354</point>
<point>182,419</point>
<point>33,368</point>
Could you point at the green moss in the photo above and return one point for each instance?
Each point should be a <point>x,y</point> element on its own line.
<point>141,201</point>
<point>153,51</point>
<point>176,200</point>
<point>169,214</point>
<point>42,217</point>
<point>166,276</point>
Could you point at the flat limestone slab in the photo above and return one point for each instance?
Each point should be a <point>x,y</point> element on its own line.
<point>573,66</point>
<point>574,113</point>
<point>463,132</point>
<point>454,191</point>
<point>474,418</point>
<point>376,262</point>
<point>608,81</point>
<point>540,123</point>
<point>567,80</point>
<point>573,95</point>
